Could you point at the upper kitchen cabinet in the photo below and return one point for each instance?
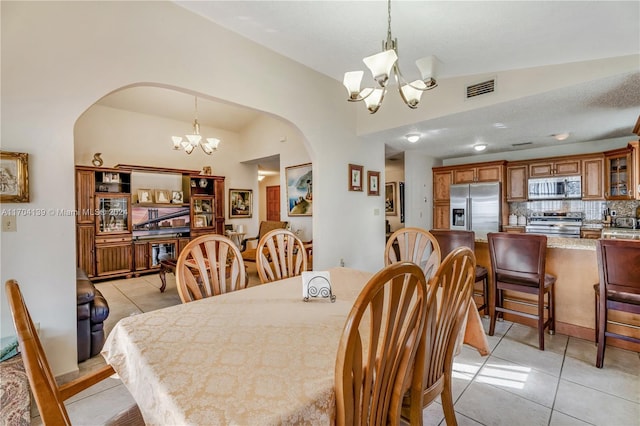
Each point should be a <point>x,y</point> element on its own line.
<point>554,167</point>
<point>619,173</point>
<point>486,172</point>
<point>517,175</point>
<point>593,178</point>
<point>441,182</point>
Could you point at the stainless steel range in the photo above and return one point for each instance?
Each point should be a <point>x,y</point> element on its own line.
<point>555,224</point>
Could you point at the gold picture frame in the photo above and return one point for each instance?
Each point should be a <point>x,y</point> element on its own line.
<point>14,177</point>
<point>299,189</point>
<point>163,196</point>
<point>145,196</point>
<point>240,203</point>
<point>390,199</point>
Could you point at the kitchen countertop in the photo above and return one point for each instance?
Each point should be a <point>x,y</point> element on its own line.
<point>563,243</point>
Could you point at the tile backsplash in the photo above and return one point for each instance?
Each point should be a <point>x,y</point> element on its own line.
<point>593,210</point>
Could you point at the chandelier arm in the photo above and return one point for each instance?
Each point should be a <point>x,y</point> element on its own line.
<point>359,97</point>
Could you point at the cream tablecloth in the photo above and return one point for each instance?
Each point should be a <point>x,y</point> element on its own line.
<point>254,356</point>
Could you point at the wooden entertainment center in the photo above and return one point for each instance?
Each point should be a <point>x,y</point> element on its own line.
<point>129,218</point>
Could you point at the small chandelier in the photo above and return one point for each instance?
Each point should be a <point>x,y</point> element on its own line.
<point>193,140</point>
<point>381,65</point>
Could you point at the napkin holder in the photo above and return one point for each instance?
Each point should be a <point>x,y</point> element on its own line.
<point>317,285</point>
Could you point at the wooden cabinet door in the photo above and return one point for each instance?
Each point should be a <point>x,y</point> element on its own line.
<point>85,186</point>
<point>593,179</point>
<point>570,166</point>
<point>441,216</point>
<point>464,176</point>
<point>489,174</point>
<point>441,183</point>
<point>140,256</point>
<point>540,169</point>
<point>85,235</point>
<point>219,197</point>
<point>565,167</point>
<point>517,183</point>
<point>113,259</point>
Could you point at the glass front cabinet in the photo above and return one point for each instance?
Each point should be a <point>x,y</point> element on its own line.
<point>202,213</point>
<point>112,214</point>
<point>618,174</point>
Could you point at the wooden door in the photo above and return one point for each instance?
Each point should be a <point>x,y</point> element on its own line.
<point>517,183</point>
<point>593,179</point>
<point>441,183</point>
<point>273,203</point>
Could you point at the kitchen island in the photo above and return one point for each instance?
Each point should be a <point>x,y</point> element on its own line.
<point>573,261</point>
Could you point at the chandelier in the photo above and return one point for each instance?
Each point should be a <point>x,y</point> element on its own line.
<point>193,140</point>
<point>381,66</point>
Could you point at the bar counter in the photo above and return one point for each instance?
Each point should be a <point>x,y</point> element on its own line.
<point>573,261</point>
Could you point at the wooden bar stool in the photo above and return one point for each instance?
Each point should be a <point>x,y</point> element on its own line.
<point>450,240</point>
<point>518,264</point>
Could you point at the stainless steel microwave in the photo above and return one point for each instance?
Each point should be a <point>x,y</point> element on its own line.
<point>555,188</point>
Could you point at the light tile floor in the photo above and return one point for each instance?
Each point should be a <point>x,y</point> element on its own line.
<point>516,385</point>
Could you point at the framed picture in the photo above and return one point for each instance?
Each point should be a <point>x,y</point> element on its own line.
<point>163,196</point>
<point>177,197</point>
<point>390,199</point>
<point>355,177</point>
<point>373,183</point>
<point>299,190</point>
<point>240,203</point>
<point>14,177</point>
<point>145,196</point>
<point>200,221</point>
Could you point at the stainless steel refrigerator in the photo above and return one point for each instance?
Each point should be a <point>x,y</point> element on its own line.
<point>475,207</point>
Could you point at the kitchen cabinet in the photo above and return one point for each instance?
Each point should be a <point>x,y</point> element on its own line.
<point>441,182</point>
<point>619,184</point>
<point>591,234</point>
<point>517,182</point>
<point>593,178</point>
<point>558,167</point>
<point>514,229</point>
<point>441,215</point>
<point>479,173</point>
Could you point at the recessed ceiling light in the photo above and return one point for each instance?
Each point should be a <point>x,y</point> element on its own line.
<point>413,137</point>
<point>499,125</point>
<point>560,136</point>
<point>480,147</point>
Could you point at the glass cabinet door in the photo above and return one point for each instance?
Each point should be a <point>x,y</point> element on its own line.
<point>203,212</point>
<point>112,214</point>
<point>618,177</point>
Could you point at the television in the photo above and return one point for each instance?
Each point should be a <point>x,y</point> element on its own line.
<point>153,221</point>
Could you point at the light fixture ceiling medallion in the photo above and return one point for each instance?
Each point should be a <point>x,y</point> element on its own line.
<point>209,145</point>
<point>381,66</point>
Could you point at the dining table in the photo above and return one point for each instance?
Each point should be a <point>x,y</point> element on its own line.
<point>260,355</point>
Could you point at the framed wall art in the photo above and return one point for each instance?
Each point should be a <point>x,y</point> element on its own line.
<point>299,190</point>
<point>390,199</point>
<point>14,177</point>
<point>373,183</point>
<point>355,177</point>
<point>177,197</point>
<point>240,203</point>
<point>145,196</point>
<point>163,196</point>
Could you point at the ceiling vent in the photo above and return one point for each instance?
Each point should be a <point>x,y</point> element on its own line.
<point>521,144</point>
<point>482,88</point>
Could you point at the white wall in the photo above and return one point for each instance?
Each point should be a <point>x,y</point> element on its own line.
<point>58,58</point>
<point>419,190</point>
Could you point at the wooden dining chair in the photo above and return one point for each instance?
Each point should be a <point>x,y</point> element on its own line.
<point>379,357</point>
<point>618,290</point>
<point>48,395</point>
<point>209,265</point>
<point>453,284</point>
<point>280,255</point>
<point>450,239</point>
<point>414,245</point>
